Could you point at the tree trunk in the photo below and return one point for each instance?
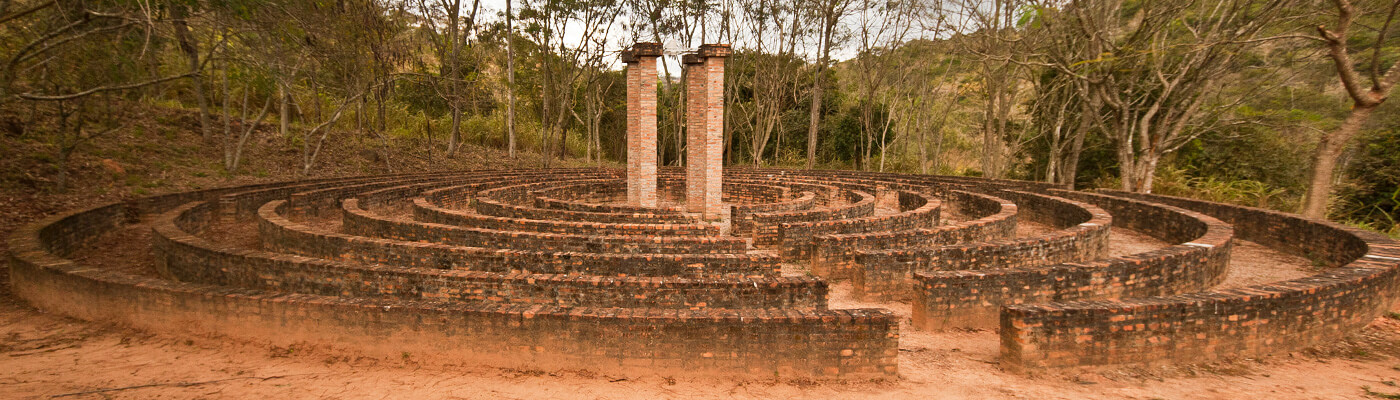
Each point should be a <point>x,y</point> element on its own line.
<point>1145,172</point>
<point>815,114</point>
<point>1325,161</point>
<point>1052,166</point>
<point>510,80</point>
<point>1069,171</point>
<point>455,140</point>
<point>1126,164</point>
<point>191,50</point>
<point>382,122</point>
<point>284,112</point>
<point>923,145</point>
<point>428,133</point>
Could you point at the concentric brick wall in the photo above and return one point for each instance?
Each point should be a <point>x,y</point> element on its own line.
<point>559,269</point>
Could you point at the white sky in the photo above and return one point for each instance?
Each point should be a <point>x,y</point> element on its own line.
<point>620,36</point>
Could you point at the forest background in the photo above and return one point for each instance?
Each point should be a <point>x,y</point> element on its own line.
<point>1271,103</point>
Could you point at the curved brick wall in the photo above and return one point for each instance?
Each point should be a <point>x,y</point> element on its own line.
<point>1082,235</point>
<point>916,211</point>
<point>834,256</point>
<point>679,341</point>
<point>285,236</point>
<point>741,215</point>
<point>506,202</point>
<point>424,211</point>
<point>360,222</point>
<point>768,226</point>
<point>971,299</point>
<point>184,256</point>
<point>1251,321</point>
<point>372,284</point>
<point>635,337</point>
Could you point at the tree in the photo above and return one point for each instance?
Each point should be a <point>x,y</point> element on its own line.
<point>997,46</point>
<point>766,71</point>
<point>78,57</point>
<point>448,40</point>
<point>1367,93</point>
<point>510,78</point>
<point>189,45</point>
<point>883,28</point>
<point>561,65</point>
<point>1156,69</point>
<point>828,14</point>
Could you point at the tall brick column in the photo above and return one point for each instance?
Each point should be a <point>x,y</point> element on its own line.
<point>696,130</point>
<point>706,136</point>
<point>641,123</point>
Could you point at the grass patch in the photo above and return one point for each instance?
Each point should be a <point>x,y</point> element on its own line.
<point>1380,395</point>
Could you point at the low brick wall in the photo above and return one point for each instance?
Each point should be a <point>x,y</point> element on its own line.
<point>827,195</point>
<point>833,255</point>
<point>888,274</point>
<point>838,343</point>
<point>523,192</point>
<point>971,299</point>
<point>1244,322</point>
<point>278,234</point>
<point>427,212</point>
<point>313,203</point>
<point>400,194</point>
<point>1081,234</point>
<point>182,255</point>
<point>244,205</point>
<point>796,240</point>
<point>749,192</point>
<point>768,226</point>
<point>357,221</point>
<point>491,207</point>
<point>604,197</point>
<point>741,215</point>
<point>532,201</point>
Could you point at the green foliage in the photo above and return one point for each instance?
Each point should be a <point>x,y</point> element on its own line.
<point>1180,182</point>
<point>1371,195</point>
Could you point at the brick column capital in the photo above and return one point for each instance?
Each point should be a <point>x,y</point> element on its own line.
<point>646,49</point>
<point>715,50</point>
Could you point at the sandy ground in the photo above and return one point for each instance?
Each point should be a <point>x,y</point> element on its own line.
<point>47,356</point>
<point>1122,242</point>
<point>1253,264</point>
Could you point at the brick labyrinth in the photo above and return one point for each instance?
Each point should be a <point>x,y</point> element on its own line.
<point>664,270</point>
<point>558,269</point>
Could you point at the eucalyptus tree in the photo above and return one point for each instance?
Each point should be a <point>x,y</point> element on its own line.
<point>561,65</point>
<point>1368,88</point>
<point>883,27</point>
<point>80,57</point>
<point>996,42</point>
<point>827,14</point>
<point>445,27</point>
<point>765,70</point>
<point>1152,72</point>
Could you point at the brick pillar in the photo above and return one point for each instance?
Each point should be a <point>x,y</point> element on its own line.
<point>641,123</point>
<point>697,129</point>
<point>712,157</point>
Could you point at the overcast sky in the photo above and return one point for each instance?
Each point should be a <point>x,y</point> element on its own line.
<point>491,10</point>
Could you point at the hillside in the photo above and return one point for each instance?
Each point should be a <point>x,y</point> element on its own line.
<point>160,151</point>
